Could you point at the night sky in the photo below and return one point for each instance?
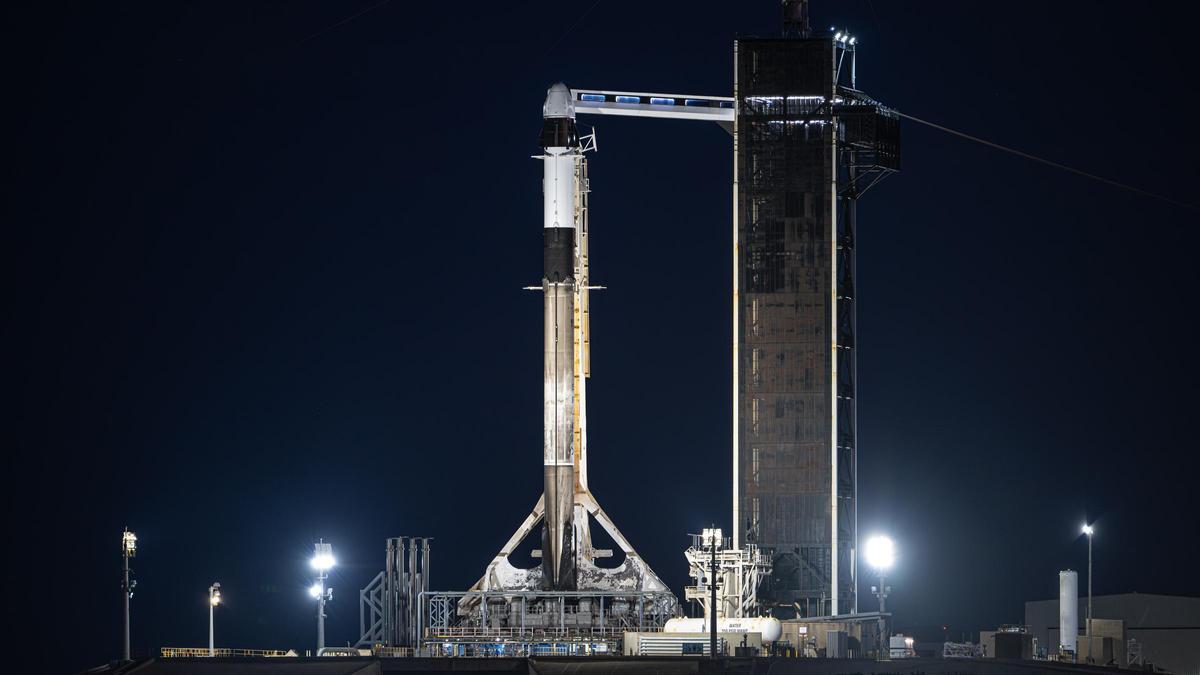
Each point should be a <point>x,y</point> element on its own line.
<point>264,275</point>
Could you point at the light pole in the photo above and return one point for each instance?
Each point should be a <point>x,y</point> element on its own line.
<point>881,554</point>
<point>214,599</point>
<point>1087,631</point>
<point>128,550</point>
<point>322,561</point>
<point>713,535</point>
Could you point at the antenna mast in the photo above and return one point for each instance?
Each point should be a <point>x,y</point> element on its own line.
<point>795,19</point>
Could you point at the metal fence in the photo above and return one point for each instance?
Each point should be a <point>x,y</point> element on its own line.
<point>192,652</point>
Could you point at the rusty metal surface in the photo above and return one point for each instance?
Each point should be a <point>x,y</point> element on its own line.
<point>786,306</point>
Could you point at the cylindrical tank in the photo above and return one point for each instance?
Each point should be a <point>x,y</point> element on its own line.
<point>768,627</point>
<point>1068,610</point>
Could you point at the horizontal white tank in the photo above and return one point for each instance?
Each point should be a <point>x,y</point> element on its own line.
<point>768,627</point>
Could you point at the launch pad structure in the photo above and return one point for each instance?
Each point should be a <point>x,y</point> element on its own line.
<point>569,602</point>
<point>807,144</point>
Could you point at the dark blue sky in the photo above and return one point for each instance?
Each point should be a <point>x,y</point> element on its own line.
<point>266,289</point>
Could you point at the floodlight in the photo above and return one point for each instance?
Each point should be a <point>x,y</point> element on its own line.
<point>837,37</point>
<point>711,536</point>
<point>1087,529</point>
<point>128,550</point>
<point>214,599</point>
<point>323,556</point>
<point>322,560</point>
<point>852,40</point>
<point>880,552</point>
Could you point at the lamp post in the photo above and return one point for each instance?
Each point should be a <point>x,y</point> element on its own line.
<point>128,550</point>
<point>881,554</point>
<point>322,561</point>
<point>713,535</point>
<point>214,599</point>
<point>1088,530</point>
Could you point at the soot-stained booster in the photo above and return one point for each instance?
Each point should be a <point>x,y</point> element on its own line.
<point>560,160</point>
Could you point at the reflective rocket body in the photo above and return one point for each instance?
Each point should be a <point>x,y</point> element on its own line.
<point>561,154</point>
<point>567,507</point>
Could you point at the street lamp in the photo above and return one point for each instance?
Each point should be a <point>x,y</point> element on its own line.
<point>1087,529</point>
<point>128,550</point>
<point>881,554</point>
<point>214,599</point>
<point>322,561</point>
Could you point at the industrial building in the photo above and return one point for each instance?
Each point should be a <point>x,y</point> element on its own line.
<point>1163,630</point>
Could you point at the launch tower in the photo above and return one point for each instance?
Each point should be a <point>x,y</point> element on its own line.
<point>807,145</point>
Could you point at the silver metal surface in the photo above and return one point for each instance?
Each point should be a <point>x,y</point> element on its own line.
<point>566,507</point>
<point>387,607</point>
<point>558,439</point>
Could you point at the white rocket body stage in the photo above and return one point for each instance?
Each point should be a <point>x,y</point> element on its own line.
<point>560,143</point>
<point>566,505</point>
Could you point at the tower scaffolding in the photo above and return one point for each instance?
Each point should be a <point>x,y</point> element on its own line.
<point>740,572</point>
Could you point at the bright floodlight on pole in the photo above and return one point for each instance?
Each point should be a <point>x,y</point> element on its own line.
<point>128,550</point>
<point>880,553</point>
<point>323,556</point>
<point>322,561</point>
<point>214,599</point>
<point>1087,628</point>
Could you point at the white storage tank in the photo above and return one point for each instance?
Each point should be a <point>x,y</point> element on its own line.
<point>1068,610</point>
<point>768,627</point>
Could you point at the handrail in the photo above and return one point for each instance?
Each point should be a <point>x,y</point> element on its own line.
<point>192,652</point>
<point>393,652</point>
<point>531,631</point>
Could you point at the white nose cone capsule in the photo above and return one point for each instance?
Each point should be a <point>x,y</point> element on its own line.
<point>558,102</point>
<point>560,142</point>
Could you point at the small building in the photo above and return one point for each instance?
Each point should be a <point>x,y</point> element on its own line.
<point>1163,630</point>
<point>824,637</point>
<point>1007,642</point>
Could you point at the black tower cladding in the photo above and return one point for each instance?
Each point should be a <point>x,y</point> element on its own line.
<point>807,145</point>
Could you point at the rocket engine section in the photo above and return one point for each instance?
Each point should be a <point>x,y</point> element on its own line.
<point>560,143</point>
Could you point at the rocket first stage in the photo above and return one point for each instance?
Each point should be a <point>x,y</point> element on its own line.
<point>566,505</point>
<point>560,143</point>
